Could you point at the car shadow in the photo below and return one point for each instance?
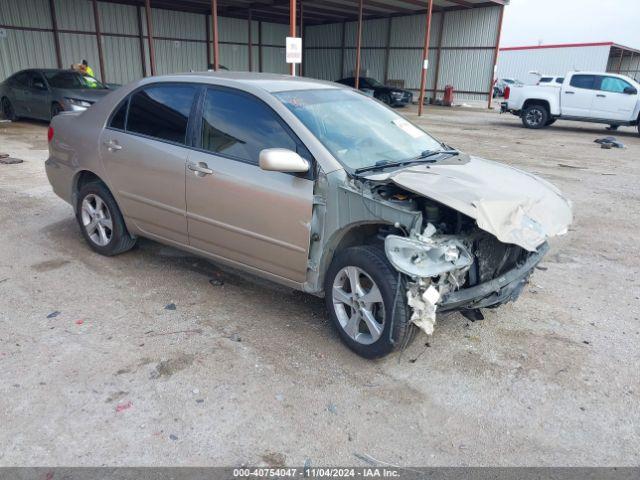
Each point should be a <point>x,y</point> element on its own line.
<point>600,132</point>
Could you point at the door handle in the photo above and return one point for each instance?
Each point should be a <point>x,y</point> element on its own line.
<point>569,93</point>
<point>200,169</point>
<point>112,146</point>
<point>601,95</point>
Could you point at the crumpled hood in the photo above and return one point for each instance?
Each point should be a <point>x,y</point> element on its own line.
<point>514,206</point>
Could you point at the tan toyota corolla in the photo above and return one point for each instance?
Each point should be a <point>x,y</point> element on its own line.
<point>312,185</point>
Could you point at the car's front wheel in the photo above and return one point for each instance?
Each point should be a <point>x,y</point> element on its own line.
<point>101,222</point>
<point>7,110</point>
<point>56,108</point>
<point>367,302</point>
<point>385,98</point>
<point>535,116</point>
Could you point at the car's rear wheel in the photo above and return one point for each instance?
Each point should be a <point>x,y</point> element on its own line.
<point>366,300</point>
<point>535,116</point>
<point>56,108</point>
<point>7,110</point>
<point>101,222</point>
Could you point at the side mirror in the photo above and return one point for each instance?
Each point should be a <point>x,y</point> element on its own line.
<point>630,91</point>
<point>282,160</point>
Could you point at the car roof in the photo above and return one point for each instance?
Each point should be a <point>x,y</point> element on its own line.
<point>268,82</point>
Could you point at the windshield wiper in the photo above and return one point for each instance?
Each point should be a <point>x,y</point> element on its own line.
<point>419,158</point>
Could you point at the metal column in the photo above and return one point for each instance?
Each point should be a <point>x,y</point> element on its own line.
<point>292,29</point>
<point>495,58</point>
<point>152,51</point>
<point>359,45</point>
<point>425,58</point>
<point>214,28</point>
<point>96,18</point>
<point>56,36</point>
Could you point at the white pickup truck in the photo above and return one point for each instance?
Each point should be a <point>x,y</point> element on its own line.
<point>583,96</point>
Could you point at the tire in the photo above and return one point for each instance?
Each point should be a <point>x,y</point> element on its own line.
<point>535,116</point>
<point>385,98</point>
<point>551,121</point>
<point>56,108</point>
<point>7,110</point>
<point>104,230</point>
<point>369,266</point>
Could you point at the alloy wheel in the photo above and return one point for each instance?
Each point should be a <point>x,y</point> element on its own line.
<point>358,304</point>
<point>534,117</point>
<point>96,219</point>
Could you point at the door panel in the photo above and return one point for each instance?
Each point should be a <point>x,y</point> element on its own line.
<point>248,215</point>
<point>578,97</point>
<point>611,102</point>
<point>148,178</point>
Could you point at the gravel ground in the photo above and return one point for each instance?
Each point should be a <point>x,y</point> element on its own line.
<point>96,370</point>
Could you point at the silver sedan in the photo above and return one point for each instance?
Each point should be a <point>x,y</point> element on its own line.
<point>312,185</point>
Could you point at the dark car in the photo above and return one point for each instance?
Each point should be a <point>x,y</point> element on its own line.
<point>389,95</point>
<point>43,93</point>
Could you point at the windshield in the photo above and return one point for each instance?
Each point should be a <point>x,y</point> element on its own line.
<point>72,80</point>
<point>359,131</point>
<point>372,82</point>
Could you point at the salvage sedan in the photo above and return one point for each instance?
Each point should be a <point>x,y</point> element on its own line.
<point>309,184</point>
<point>43,94</point>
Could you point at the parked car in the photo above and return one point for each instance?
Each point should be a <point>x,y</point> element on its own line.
<point>309,184</point>
<point>42,94</point>
<point>550,81</point>
<point>583,96</point>
<point>501,84</point>
<point>396,97</point>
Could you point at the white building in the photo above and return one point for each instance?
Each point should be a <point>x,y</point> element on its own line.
<point>517,62</point>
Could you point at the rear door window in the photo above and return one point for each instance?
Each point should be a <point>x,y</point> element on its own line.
<point>584,81</point>
<point>240,126</point>
<point>162,111</point>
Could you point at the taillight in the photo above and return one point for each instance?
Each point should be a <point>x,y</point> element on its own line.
<point>50,134</point>
<point>507,92</point>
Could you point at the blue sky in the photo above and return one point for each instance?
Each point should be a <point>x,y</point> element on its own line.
<point>530,22</point>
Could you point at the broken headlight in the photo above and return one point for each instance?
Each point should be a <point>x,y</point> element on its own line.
<point>424,259</point>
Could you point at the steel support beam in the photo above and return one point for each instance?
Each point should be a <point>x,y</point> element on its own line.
<point>425,58</point>
<point>438,54</point>
<point>292,29</point>
<point>56,35</point>
<point>260,47</point>
<point>342,41</point>
<point>143,61</point>
<point>250,39</point>
<point>495,57</point>
<point>152,51</point>
<point>387,51</point>
<point>214,29</point>
<point>96,18</point>
<point>301,34</point>
<point>358,45</point>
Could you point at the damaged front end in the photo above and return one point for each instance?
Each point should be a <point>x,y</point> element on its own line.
<point>463,272</point>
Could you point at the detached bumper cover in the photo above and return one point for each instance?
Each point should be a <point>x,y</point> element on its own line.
<point>505,288</point>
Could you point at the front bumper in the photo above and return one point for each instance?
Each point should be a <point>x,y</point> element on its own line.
<point>503,289</point>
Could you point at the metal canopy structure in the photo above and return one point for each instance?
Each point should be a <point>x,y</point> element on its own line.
<point>149,31</point>
<point>317,12</point>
